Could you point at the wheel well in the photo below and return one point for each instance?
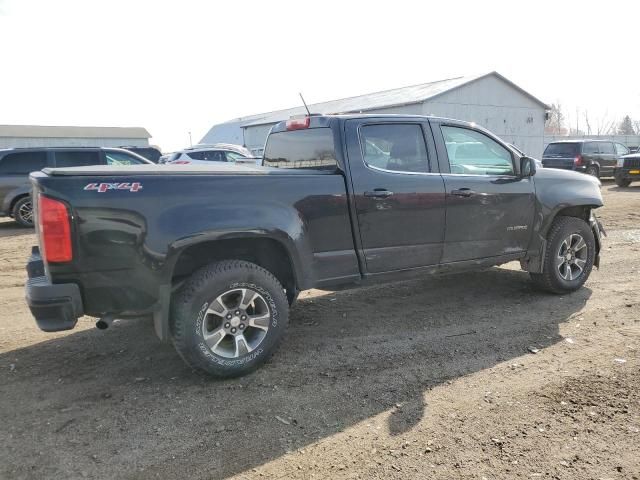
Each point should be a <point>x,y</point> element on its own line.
<point>265,252</point>
<point>581,211</point>
<point>15,200</point>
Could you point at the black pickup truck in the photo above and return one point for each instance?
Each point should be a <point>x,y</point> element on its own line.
<point>217,254</point>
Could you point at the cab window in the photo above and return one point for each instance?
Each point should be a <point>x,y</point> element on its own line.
<point>473,153</point>
<point>397,147</point>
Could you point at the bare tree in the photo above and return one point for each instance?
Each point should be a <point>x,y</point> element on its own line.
<point>626,126</point>
<point>555,123</point>
<point>586,120</point>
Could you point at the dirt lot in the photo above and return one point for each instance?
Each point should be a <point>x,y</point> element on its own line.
<point>422,379</point>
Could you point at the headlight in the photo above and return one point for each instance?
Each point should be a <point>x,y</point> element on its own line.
<point>620,163</point>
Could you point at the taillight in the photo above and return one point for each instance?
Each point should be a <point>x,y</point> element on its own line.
<point>181,162</point>
<point>578,161</point>
<point>55,230</point>
<point>298,123</point>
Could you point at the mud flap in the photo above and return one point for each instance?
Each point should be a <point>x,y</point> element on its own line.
<point>598,233</point>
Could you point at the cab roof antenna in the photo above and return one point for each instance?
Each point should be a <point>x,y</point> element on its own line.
<point>304,103</point>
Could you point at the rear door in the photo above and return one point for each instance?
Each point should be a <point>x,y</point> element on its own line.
<point>398,193</point>
<point>590,153</point>
<point>607,158</point>
<point>560,155</point>
<point>490,208</point>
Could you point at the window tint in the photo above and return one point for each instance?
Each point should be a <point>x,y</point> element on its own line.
<point>121,158</point>
<point>621,149</point>
<point>208,155</point>
<point>23,163</point>
<point>398,147</point>
<point>562,149</point>
<point>473,153</point>
<point>311,148</point>
<point>607,148</point>
<point>233,156</point>
<point>77,158</point>
<point>590,148</point>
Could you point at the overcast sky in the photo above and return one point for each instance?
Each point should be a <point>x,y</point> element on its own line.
<point>181,66</point>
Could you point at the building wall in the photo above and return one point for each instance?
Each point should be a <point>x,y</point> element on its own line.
<point>489,102</point>
<point>27,142</point>
<point>256,136</point>
<point>498,107</point>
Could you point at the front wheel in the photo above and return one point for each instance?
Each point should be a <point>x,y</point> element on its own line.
<point>229,318</point>
<point>569,256</point>
<point>622,182</point>
<point>23,212</point>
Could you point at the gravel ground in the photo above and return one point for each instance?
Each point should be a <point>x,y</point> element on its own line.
<point>423,379</point>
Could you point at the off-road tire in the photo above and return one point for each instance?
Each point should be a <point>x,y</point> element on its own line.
<point>550,279</point>
<point>188,312</point>
<point>17,212</point>
<point>622,182</point>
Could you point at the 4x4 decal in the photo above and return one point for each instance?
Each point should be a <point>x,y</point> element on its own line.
<point>103,187</point>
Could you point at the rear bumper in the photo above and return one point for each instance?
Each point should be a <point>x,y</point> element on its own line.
<point>55,307</point>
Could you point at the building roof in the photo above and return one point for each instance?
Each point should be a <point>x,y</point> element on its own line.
<point>43,131</point>
<point>372,101</point>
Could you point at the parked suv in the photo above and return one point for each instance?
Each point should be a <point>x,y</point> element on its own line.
<point>627,170</point>
<point>593,157</point>
<point>17,163</point>
<point>203,154</point>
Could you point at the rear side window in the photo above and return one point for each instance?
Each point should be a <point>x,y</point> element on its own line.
<point>398,147</point>
<point>121,158</point>
<point>77,158</point>
<point>590,148</point>
<point>311,148</point>
<point>23,163</point>
<point>208,155</point>
<point>607,148</point>
<point>562,149</point>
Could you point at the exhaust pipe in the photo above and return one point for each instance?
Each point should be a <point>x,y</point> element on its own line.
<point>105,322</point>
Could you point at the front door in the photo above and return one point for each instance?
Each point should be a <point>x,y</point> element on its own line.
<point>490,209</point>
<point>398,192</point>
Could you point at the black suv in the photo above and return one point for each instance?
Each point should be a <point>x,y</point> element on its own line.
<point>594,157</point>
<point>16,163</point>
<point>627,170</point>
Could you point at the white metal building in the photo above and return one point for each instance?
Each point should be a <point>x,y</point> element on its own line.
<point>21,136</point>
<point>490,100</point>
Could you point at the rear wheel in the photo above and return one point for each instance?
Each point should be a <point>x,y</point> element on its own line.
<point>229,318</point>
<point>593,171</point>
<point>569,256</point>
<point>23,212</point>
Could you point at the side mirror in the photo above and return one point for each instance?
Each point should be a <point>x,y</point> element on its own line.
<point>527,167</point>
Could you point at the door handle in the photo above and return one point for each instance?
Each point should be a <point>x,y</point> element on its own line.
<point>379,193</point>
<point>463,192</point>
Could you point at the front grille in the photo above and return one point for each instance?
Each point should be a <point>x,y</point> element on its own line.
<point>632,163</point>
